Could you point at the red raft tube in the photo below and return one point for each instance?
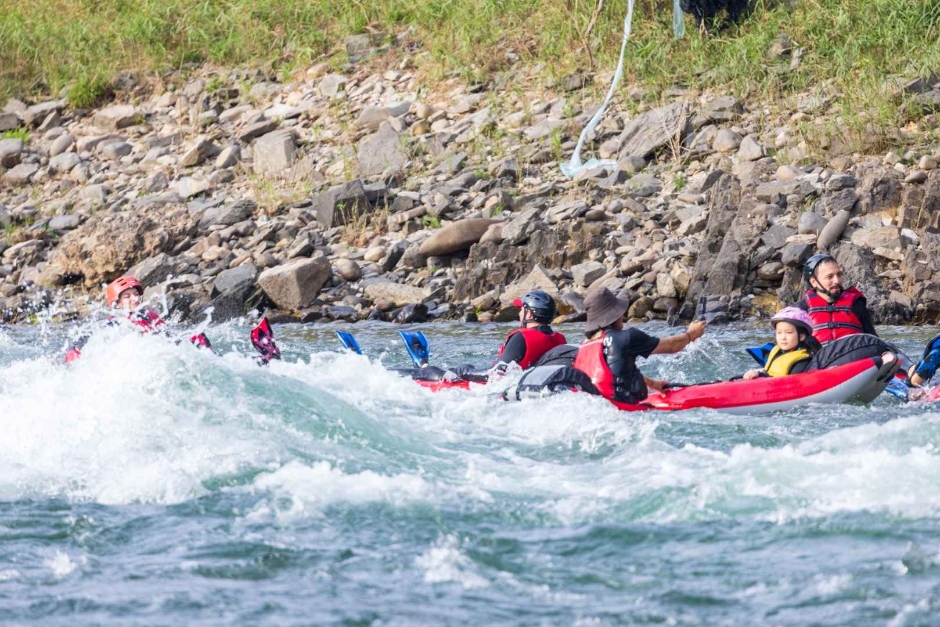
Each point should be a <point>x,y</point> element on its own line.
<point>856,382</point>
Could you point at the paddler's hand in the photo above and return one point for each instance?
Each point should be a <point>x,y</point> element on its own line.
<point>696,330</point>
<point>751,374</point>
<point>656,384</point>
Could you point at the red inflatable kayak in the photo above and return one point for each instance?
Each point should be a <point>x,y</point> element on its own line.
<point>858,381</point>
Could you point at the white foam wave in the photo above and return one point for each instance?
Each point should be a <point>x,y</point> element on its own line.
<point>445,563</point>
<point>122,424</point>
<point>62,565</point>
<point>308,489</point>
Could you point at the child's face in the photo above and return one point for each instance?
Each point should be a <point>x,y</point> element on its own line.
<point>788,337</point>
<point>129,299</point>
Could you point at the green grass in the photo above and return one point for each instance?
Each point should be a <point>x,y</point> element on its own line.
<point>16,133</point>
<point>851,46</point>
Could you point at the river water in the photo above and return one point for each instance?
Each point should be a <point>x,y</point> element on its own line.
<point>150,483</point>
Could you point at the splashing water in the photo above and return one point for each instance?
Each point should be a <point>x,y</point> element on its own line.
<point>155,482</point>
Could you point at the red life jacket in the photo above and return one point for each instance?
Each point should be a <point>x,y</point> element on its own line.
<point>537,344</point>
<point>832,321</point>
<point>592,361</point>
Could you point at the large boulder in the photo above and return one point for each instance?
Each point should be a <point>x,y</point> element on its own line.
<point>117,117</point>
<point>274,152</point>
<point>455,237</point>
<point>537,279</point>
<point>295,284</point>
<point>395,292</point>
<point>650,131</point>
<point>341,204</point>
<point>586,273</point>
<point>234,279</point>
<point>108,244</point>
<point>10,151</point>
<point>380,152</point>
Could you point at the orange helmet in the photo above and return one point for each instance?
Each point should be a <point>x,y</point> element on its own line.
<point>119,285</point>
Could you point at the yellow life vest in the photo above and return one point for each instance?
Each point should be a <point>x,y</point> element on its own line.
<point>780,363</point>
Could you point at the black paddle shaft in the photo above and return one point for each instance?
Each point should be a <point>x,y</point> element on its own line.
<point>702,306</point>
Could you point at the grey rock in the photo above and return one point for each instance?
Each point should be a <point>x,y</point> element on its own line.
<point>839,182</point>
<point>9,121</point>
<point>586,273</point>
<point>395,292</point>
<point>332,84</point>
<point>380,152</point>
<point>455,237</point>
<point>776,192</point>
<point>371,118</point>
<point>348,269</point>
<point>116,117</point>
<point>10,151</point>
<point>96,194</point>
<point>20,174</point>
<point>187,187</point>
<point>228,157</point>
<point>811,222</point>
<point>34,115</point>
<point>198,153</point>
<point>917,176</point>
<point>833,230</point>
<point>795,253</point>
<point>64,162</point>
<point>726,140</point>
<point>234,278</point>
<point>253,131</point>
<point>776,236</point>
<point>61,144</point>
<point>652,130</point>
<point>66,222</point>
<point>296,283</point>
<point>155,183</point>
<point>153,270</point>
<point>228,214</point>
<point>723,109</point>
<point>750,150</point>
<point>520,227</point>
<point>341,204</point>
<point>114,150</point>
<point>274,152</point>
<point>878,237</point>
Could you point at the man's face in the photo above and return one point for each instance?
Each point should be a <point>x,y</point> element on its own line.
<point>829,277</point>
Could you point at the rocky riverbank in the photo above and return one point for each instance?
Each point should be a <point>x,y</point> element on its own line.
<point>366,192</point>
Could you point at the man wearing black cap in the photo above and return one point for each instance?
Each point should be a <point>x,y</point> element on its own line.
<point>534,337</point>
<point>836,311</point>
<point>609,354</point>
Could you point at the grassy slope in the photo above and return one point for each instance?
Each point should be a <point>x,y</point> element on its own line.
<point>854,44</point>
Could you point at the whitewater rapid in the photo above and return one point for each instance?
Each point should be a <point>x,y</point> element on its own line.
<point>161,481</point>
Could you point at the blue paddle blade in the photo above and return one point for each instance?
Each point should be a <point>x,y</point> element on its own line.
<point>760,353</point>
<point>417,346</point>
<point>932,345</point>
<point>898,389</point>
<point>349,341</point>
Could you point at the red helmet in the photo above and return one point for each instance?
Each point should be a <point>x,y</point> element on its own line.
<point>119,285</point>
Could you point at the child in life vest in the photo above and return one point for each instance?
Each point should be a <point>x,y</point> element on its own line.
<point>795,345</point>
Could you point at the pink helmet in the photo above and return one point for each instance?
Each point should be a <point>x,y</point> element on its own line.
<point>795,316</point>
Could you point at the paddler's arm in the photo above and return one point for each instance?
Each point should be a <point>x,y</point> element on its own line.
<point>676,343</point>
<point>860,309</point>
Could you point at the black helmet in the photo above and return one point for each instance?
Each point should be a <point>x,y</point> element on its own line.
<point>809,268</point>
<point>539,303</point>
